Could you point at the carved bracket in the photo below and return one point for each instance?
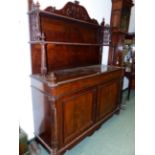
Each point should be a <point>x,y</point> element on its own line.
<point>34,21</point>
<point>107,35</point>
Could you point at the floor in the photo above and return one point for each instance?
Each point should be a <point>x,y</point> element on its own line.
<point>115,137</point>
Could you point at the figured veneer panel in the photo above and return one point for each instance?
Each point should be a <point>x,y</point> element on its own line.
<point>107,98</point>
<point>78,113</point>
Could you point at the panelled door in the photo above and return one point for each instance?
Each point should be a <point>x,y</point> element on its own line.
<point>107,98</point>
<point>78,113</point>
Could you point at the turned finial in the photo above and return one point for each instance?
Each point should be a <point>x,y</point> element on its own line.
<point>103,21</point>
<point>53,8</point>
<point>76,2</point>
<point>35,6</point>
<point>42,37</point>
<point>38,4</point>
<point>52,77</point>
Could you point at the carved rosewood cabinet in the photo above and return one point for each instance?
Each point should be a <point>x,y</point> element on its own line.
<point>73,94</point>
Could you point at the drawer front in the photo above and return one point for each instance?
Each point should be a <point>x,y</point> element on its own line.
<point>78,113</point>
<point>84,83</point>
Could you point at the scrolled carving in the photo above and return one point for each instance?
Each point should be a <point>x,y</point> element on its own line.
<point>73,10</point>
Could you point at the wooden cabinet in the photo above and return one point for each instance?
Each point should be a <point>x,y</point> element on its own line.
<point>68,111</point>
<point>72,93</point>
<point>120,16</point>
<point>129,61</point>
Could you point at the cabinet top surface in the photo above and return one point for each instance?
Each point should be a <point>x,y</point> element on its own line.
<point>68,75</point>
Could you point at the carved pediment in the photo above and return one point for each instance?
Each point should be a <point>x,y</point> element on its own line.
<point>73,10</point>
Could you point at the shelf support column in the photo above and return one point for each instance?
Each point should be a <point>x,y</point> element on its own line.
<point>43,56</point>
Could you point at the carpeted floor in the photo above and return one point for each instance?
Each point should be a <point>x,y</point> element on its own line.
<point>115,137</point>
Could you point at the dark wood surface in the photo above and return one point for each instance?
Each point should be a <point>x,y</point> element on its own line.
<point>72,93</point>
<point>74,26</point>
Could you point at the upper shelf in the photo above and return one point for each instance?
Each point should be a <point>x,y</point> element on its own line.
<point>64,26</point>
<point>66,43</point>
<point>73,39</point>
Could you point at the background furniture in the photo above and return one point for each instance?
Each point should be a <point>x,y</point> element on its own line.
<point>119,24</point>
<point>129,60</point>
<point>72,93</point>
<point>120,16</point>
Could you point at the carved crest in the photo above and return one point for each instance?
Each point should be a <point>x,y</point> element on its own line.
<point>73,10</point>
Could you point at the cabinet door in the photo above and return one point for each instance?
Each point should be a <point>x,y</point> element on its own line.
<point>78,113</point>
<point>108,98</point>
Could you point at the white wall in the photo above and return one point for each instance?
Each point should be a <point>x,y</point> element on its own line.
<point>15,98</point>
<point>132,20</point>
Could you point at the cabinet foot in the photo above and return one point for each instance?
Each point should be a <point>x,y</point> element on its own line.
<point>55,153</point>
<point>117,112</point>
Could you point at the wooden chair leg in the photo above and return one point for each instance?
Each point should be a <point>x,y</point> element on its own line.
<point>129,93</point>
<point>129,89</point>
